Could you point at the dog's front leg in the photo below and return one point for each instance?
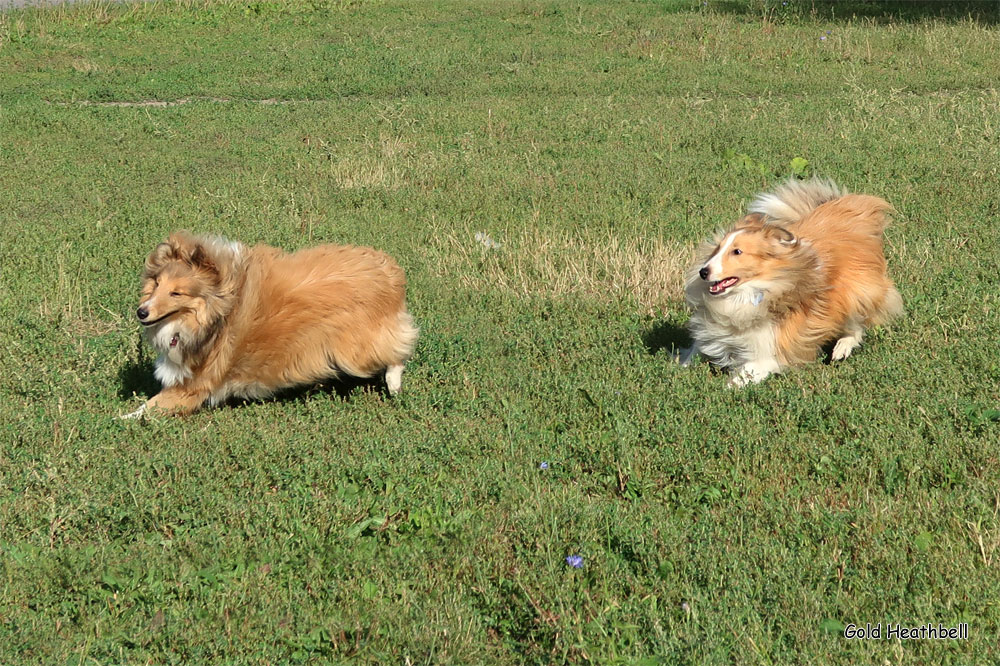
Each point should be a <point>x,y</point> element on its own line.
<point>176,400</point>
<point>754,372</point>
<point>687,355</point>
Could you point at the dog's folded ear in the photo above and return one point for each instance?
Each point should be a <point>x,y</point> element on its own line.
<point>199,259</point>
<point>780,235</point>
<point>160,255</point>
<point>191,250</point>
<point>751,220</point>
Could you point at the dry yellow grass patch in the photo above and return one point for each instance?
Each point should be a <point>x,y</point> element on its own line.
<point>600,266</point>
<point>354,174</point>
<point>381,164</point>
<point>84,66</point>
<point>68,301</point>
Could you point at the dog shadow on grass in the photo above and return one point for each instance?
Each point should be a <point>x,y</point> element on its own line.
<point>883,11</point>
<point>666,336</point>
<point>135,378</point>
<point>344,387</point>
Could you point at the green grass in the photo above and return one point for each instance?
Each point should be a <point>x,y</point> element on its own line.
<point>598,143</point>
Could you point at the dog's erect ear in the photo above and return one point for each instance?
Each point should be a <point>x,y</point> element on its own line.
<point>780,235</point>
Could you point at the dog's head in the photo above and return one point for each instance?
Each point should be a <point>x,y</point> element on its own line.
<point>183,290</point>
<point>752,250</point>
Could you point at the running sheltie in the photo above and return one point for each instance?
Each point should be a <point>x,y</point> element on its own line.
<point>804,267</point>
<point>236,321</point>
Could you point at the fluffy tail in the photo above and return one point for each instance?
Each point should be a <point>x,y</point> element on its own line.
<point>892,307</point>
<point>397,342</point>
<point>794,199</point>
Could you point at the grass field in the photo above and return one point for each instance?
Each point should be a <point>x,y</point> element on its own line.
<point>596,143</point>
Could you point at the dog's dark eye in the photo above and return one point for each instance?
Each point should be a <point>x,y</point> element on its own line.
<point>737,251</point>
<point>175,293</point>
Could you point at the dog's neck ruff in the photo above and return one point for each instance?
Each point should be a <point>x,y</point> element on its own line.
<point>170,373</point>
<point>732,330</point>
<point>738,308</point>
<point>168,339</point>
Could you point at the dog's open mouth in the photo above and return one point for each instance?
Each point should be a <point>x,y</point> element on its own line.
<point>174,340</point>
<point>720,286</point>
<point>157,321</point>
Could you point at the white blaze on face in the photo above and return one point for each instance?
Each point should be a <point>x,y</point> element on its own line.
<point>714,264</point>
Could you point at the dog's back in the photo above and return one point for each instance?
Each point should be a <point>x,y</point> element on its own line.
<point>848,236</point>
<point>323,308</point>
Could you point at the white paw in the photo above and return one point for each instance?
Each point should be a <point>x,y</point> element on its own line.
<point>844,347</point>
<point>752,373</point>
<point>394,379</point>
<point>741,379</point>
<point>137,414</point>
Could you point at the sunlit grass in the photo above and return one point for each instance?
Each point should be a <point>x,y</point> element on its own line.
<point>542,171</point>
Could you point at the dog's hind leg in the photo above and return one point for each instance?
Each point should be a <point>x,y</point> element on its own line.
<point>394,378</point>
<point>853,332</point>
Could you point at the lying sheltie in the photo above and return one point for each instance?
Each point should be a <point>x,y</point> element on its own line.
<point>236,321</point>
<point>804,267</point>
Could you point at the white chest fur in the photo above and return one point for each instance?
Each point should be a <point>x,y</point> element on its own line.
<point>170,368</point>
<point>170,372</point>
<point>733,330</point>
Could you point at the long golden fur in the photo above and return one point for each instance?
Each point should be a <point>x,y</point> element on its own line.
<point>803,268</point>
<point>232,321</point>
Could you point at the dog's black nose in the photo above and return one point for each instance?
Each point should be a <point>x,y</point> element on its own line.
<point>703,273</point>
<point>142,313</point>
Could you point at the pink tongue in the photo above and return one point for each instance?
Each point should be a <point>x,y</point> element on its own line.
<point>173,341</point>
<point>722,285</point>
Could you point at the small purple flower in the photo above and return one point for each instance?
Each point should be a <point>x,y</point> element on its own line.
<point>544,465</point>
<point>575,561</point>
<point>823,38</point>
<point>828,32</point>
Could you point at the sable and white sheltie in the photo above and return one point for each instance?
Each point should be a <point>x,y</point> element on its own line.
<point>804,267</point>
<point>236,321</point>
